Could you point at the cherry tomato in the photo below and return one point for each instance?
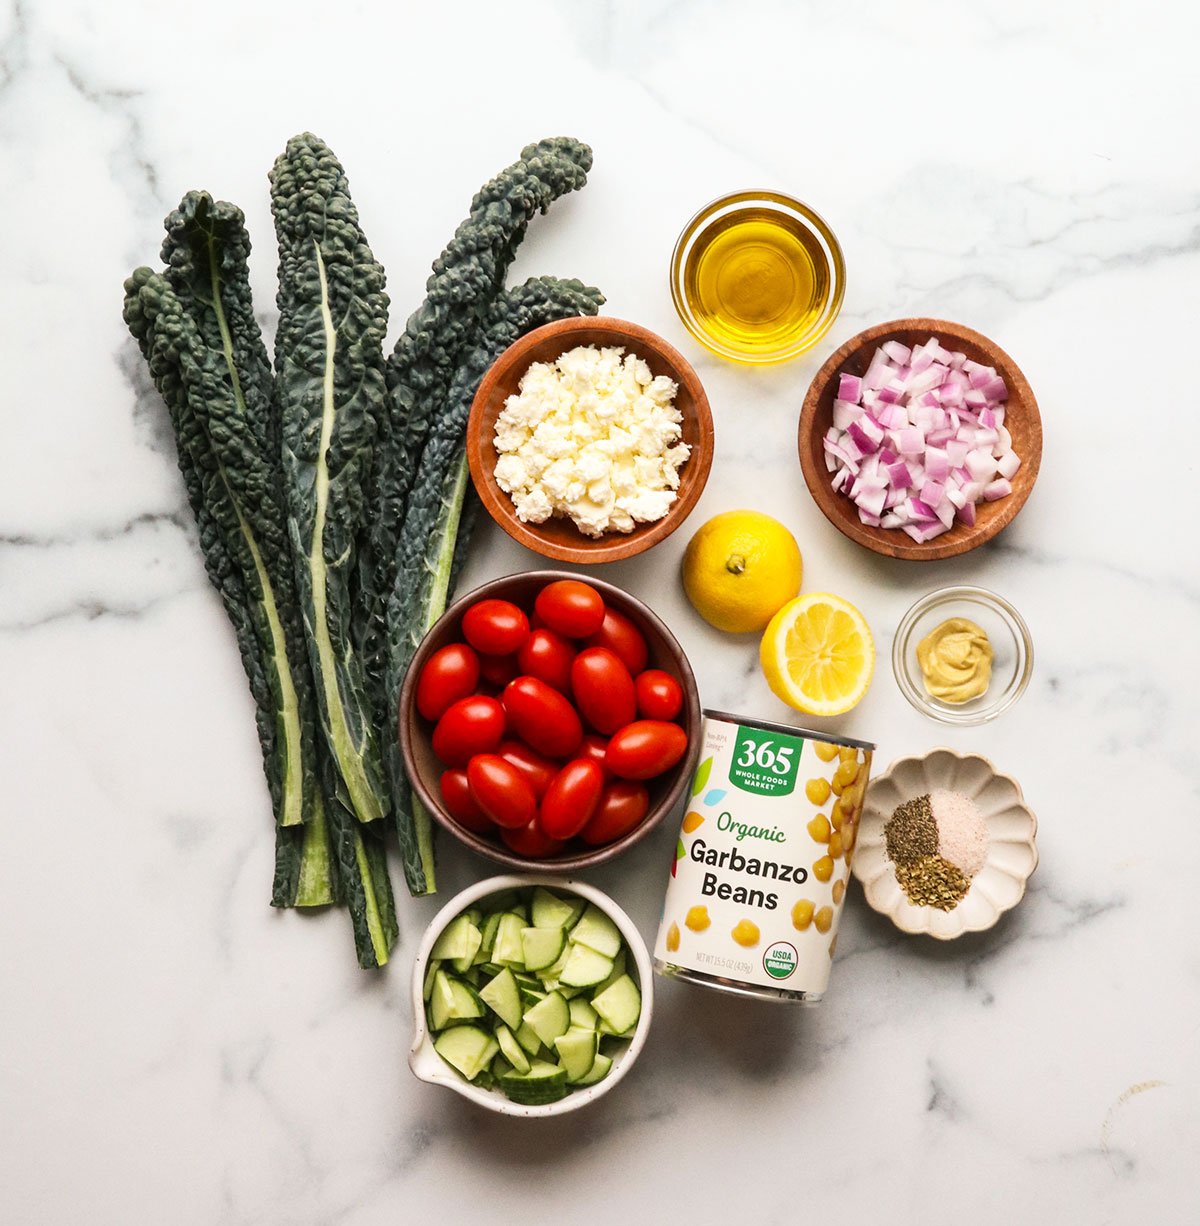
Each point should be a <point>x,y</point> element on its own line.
<point>646,748</point>
<point>571,608</point>
<point>659,695</point>
<point>530,841</point>
<point>621,636</point>
<point>500,790</point>
<point>571,800</point>
<point>547,656</point>
<point>603,690</point>
<point>537,771</point>
<point>498,670</point>
<point>495,627</point>
<point>469,726</point>
<point>542,717</point>
<point>460,804</point>
<point>451,673</point>
<point>594,747</point>
<point>623,804</point>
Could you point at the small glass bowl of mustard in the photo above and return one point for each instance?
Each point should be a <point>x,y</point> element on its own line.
<point>956,656</point>
<point>757,277</point>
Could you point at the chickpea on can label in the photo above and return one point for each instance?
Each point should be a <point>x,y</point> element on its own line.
<point>763,859</point>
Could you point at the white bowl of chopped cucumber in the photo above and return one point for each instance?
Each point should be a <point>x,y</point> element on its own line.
<point>532,995</point>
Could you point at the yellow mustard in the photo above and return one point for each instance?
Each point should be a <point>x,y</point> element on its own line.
<point>955,660</point>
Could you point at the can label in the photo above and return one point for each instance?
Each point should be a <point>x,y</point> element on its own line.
<point>763,858</point>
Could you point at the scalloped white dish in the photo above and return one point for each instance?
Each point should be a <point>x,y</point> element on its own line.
<point>1012,843</point>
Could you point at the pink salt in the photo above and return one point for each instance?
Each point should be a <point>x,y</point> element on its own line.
<point>962,832</point>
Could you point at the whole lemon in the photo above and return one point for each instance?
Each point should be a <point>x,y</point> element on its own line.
<point>740,568</point>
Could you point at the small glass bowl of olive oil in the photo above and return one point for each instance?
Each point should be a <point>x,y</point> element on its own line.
<point>757,277</point>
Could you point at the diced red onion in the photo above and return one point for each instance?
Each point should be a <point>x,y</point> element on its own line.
<point>1007,464</point>
<point>859,437</point>
<point>898,476</point>
<point>937,463</point>
<point>844,413</point>
<point>981,464</point>
<point>920,439</point>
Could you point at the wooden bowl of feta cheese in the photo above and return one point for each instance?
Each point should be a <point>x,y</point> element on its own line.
<point>590,440</point>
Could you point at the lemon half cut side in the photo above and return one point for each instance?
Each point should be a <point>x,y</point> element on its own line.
<point>818,655</point>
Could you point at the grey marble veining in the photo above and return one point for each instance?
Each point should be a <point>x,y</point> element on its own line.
<point>175,1051</point>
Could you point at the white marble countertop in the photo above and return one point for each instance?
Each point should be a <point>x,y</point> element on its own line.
<point>173,1050</point>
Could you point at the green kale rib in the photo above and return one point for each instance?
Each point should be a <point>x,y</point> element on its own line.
<point>330,388</point>
<point>466,279</point>
<point>362,871</point>
<point>433,533</point>
<point>188,376</point>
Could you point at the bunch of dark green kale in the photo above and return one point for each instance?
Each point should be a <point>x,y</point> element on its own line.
<point>330,487</point>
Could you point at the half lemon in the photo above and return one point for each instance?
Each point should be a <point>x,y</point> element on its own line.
<point>818,655</point>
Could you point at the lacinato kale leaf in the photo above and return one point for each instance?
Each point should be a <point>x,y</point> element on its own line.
<point>330,388</point>
<point>205,253</point>
<point>192,378</point>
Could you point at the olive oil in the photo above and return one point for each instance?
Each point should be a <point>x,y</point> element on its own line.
<point>760,277</point>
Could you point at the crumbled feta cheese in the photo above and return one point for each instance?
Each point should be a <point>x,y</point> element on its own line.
<point>592,437</point>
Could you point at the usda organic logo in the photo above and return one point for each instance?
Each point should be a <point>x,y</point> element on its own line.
<point>780,960</point>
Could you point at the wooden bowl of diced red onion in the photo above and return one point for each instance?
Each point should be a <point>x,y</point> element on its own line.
<point>920,439</point>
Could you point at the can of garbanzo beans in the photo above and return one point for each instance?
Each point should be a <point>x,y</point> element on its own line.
<point>763,859</point>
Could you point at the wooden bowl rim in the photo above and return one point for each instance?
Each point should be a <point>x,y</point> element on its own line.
<point>626,603</point>
<point>613,547</point>
<point>883,541</point>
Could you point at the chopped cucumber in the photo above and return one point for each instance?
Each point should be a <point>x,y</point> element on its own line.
<point>619,1005</point>
<point>544,1083</point>
<point>597,931</point>
<point>542,947</point>
<point>512,1050</point>
<point>452,1001</point>
<point>530,994</point>
<point>469,1049</point>
<point>508,949</point>
<point>576,1052</point>
<point>487,931</point>
<point>553,973</point>
<point>617,971</point>
<point>549,911</point>
<point>503,998</point>
<point>549,1018</point>
<point>599,1070</point>
<point>461,939</point>
<point>528,1038</point>
<point>427,986</point>
<point>583,1015</point>
<point>585,967</point>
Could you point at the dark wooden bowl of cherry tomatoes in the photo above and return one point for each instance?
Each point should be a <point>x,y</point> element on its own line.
<point>547,719</point>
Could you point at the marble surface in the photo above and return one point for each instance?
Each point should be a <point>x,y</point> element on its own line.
<point>172,1050</point>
